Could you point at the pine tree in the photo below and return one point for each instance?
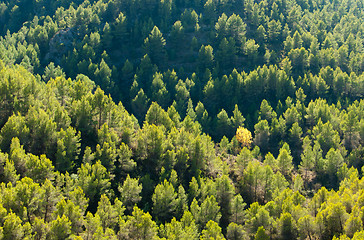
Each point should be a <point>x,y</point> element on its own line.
<point>154,46</point>
<point>130,192</point>
<point>284,160</point>
<point>164,201</point>
<point>212,231</point>
<point>140,225</point>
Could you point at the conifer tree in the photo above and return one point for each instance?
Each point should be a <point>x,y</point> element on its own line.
<point>154,46</point>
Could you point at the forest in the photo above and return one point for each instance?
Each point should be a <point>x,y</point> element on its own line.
<point>183,120</point>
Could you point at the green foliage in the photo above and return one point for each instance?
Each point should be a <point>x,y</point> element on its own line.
<point>94,180</point>
<point>154,46</point>
<point>140,225</point>
<point>284,160</point>
<point>207,211</point>
<point>185,229</point>
<point>212,231</point>
<point>130,192</point>
<point>235,231</point>
<point>164,201</point>
<point>60,228</point>
<point>72,73</point>
<point>108,213</point>
<point>261,235</point>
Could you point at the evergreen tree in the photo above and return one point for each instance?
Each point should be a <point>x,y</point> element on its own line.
<point>164,201</point>
<point>154,46</point>
<point>130,193</point>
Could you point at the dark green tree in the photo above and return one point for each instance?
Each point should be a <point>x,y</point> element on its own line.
<point>154,46</point>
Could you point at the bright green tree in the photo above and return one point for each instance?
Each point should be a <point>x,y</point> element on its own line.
<point>130,192</point>
<point>164,201</point>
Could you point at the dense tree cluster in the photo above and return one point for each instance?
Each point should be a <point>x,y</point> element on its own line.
<point>216,53</point>
<point>181,119</point>
<point>74,164</point>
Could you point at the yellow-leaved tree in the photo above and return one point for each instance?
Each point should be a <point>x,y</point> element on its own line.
<point>244,136</point>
